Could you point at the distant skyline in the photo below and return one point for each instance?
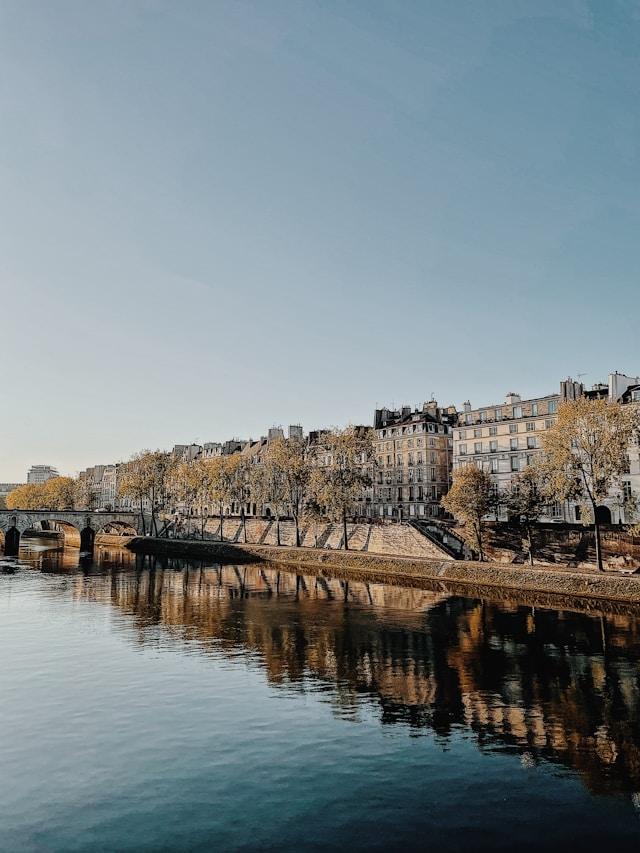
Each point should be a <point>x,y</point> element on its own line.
<point>216,217</point>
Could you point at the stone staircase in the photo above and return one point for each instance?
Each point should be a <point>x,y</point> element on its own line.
<point>443,537</point>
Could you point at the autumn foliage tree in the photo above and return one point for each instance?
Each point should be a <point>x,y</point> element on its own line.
<point>586,453</point>
<point>469,500</point>
<point>339,480</point>
<point>55,493</point>
<point>526,500</point>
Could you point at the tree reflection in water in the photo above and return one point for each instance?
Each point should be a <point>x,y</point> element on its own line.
<point>550,684</point>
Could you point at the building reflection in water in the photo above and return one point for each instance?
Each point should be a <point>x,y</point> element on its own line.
<point>547,684</point>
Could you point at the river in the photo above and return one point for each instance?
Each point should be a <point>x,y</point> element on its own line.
<point>160,705</point>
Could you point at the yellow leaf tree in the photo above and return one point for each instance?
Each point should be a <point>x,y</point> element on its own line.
<point>586,453</point>
<point>338,479</point>
<point>469,500</point>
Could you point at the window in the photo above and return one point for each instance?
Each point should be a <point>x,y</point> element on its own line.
<point>467,418</point>
<point>531,442</point>
<point>553,407</point>
<point>493,430</point>
<point>477,447</point>
<point>513,427</point>
<point>462,449</point>
<point>477,433</point>
<point>433,475</point>
<point>534,409</point>
<point>555,510</point>
<point>531,426</point>
<point>493,446</point>
<point>514,444</point>
<point>498,414</point>
<point>483,416</point>
<point>494,466</point>
<point>515,463</point>
<point>517,411</point>
<point>635,396</point>
<point>548,424</point>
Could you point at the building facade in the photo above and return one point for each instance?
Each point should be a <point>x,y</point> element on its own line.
<point>39,474</point>
<point>502,439</point>
<point>413,451</point>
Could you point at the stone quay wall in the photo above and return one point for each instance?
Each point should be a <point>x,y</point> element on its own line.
<point>397,539</point>
<point>444,574</point>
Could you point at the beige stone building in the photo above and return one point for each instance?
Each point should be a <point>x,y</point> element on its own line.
<point>413,449</point>
<point>503,438</point>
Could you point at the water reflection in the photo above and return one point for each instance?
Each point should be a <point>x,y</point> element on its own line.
<point>547,684</point>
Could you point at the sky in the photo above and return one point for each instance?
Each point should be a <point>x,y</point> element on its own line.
<point>220,216</point>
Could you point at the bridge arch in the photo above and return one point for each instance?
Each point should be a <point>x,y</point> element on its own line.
<point>70,532</point>
<point>78,526</point>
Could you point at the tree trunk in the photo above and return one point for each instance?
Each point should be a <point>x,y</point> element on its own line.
<point>530,544</point>
<point>344,527</point>
<point>479,541</point>
<point>244,525</point>
<point>278,529</point>
<point>144,525</point>
<point>297,531</point>
<point>202,524</point>
<point>221,517</point>
<point>596,528</point>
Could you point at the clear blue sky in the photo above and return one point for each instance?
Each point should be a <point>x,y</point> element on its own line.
<point>219,216</point>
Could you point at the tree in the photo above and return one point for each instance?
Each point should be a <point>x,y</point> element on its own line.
<point>267,483</point>
<point>59,493</point>
<point>526,500</point>
<point>221,476</point>
<point>187,486</point>
<point>290,459</point>
<point>469,500</point>
<point>55,493</point>
<point>148,476</point>
<point>342,472</point>
<point>236,472</point>
<point>82,494</point>
<point>135,480</point>
<point>160,466</point>
<point>26,496</point>
<point>586,453</point>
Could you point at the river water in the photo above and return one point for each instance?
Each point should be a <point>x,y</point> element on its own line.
<point>147,705</point>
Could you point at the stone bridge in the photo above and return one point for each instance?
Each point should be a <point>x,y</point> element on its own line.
<point>78,526</point>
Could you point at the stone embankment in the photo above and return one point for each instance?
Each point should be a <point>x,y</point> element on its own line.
<point>410,571</point>
<point>394,539</point>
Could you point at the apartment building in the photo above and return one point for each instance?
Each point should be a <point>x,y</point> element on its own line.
<point>504,438</point>
<point>39,474</point>
<point>413,450</point>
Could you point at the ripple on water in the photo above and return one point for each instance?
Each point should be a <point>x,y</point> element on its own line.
<point>192,707</point>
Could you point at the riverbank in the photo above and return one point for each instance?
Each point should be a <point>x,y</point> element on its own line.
<point>405,570</point>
